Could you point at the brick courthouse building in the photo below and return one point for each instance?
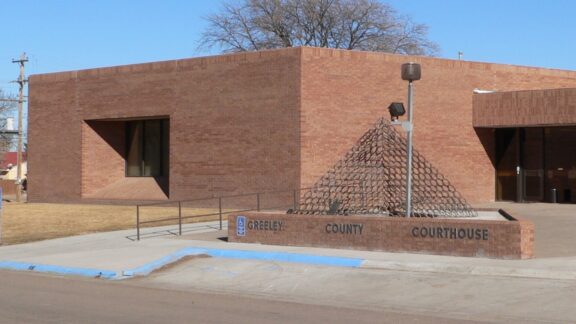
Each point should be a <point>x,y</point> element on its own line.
<point>280,119</point>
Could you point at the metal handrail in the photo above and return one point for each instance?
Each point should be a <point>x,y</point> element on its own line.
<point>220,211</point>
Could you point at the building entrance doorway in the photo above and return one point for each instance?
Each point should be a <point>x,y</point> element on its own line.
<point>536,164</point>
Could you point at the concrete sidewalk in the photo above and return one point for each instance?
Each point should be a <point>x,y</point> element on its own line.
<point>116,255</point>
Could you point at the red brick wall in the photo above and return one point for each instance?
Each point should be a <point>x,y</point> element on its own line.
<point>266,120</point>
<point>54,139</point>
<point>345,92</point>
<point>103,150</point>
<point>494,239</point>
<point>234,123</point>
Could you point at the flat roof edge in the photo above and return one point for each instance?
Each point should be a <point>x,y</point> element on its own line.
<point>314,51</point>
<point>496,92</point>
<point>157,65</point>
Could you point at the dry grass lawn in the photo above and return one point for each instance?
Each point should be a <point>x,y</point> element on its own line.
<point>27,222</point>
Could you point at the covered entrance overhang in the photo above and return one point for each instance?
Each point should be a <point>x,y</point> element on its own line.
<point>534,143</point>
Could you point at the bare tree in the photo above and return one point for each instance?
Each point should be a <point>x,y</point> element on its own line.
<point>249,25</point>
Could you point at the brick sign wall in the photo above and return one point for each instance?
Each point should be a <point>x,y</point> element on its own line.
<point>458,237</point>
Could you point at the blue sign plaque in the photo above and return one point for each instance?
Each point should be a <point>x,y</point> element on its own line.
<point>241,225</point>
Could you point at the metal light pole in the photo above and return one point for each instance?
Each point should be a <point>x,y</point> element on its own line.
<point>409,152</point>
<point>410,72</point>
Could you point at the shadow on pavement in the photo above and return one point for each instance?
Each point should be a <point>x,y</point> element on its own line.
<point>554,226</point>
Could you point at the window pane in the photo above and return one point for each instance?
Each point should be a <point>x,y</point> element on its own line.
<point>560,151</point>
<point>533,163</point>
<point>147,148</point>
<point>165,147</point>
<point>134,149</point>
<point>506,162</point>
<point>152,148</point>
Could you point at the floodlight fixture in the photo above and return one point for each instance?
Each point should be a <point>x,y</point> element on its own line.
<point>396,110</point>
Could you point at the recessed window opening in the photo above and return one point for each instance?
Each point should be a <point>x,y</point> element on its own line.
<point>147,148</point>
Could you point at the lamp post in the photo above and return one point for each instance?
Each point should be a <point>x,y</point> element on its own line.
<point>410,72</point>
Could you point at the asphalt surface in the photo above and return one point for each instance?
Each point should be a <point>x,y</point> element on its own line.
<point>443,295</point>
<point>386,287</point>
<point>34,298</point>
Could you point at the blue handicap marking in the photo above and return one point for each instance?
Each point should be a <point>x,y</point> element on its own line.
<point>241,225</point>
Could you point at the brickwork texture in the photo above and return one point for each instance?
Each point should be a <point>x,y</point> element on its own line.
<point>552,107</point>
<point>259,121</point>
<point>457,237</point>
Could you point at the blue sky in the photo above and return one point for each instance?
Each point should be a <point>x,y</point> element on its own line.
<point>63,35</point>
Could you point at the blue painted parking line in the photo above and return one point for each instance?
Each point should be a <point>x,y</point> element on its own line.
<point>286,257</point>
<point>84,272</point>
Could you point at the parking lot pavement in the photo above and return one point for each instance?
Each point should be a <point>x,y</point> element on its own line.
<point>555,226</point>
<point>30,298</point>
<point>452,296</point>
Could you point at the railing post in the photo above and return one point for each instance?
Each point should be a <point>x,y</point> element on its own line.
<point>220,210</point>
<point>137,222</point>
<point>258,201</point>
<point>180,218</point>
<point>295,203</point>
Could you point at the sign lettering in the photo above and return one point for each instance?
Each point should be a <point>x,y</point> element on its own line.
<point>479,234</point>
<point>335,228</point>
<point>266,225</point>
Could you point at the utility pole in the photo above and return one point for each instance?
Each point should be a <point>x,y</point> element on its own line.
<point>21,81</point>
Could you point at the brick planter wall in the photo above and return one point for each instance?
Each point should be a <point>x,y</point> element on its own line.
<point>457,237</point>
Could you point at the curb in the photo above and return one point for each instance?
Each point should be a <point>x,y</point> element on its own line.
<point>67,271</point>
<point>469,270</point>
<point>311,259</point>
<point>148,268</point>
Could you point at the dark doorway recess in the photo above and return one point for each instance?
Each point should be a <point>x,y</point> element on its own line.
<point>536,164</point>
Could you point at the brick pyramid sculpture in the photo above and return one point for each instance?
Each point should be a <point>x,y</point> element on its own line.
<point>371,179</point>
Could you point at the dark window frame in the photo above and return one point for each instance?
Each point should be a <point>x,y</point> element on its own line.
<point>163,147</point>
